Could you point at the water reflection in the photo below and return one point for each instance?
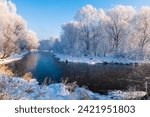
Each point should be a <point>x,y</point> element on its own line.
<point>97,78</point>
<point>41,65</point>
<point>28,64</point>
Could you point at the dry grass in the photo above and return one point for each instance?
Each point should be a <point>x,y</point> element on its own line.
<point>69,86</point>
<point>85,96</point>
<point>27,76</point>
<point>4,96</point>
<point>6,70</point>
<point>130,91</point>
<point>47,81</point>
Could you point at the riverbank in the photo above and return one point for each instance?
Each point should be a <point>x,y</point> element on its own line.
<point>13,57</point>
<point>16,88</point>
<point>103,60</point>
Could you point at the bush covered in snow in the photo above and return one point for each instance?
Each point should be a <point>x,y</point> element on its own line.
<point>16,88</point>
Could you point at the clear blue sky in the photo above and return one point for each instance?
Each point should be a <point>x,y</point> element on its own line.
<point>45,17</point>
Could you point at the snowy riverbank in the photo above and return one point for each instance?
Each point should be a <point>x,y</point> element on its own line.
<point>13,57</point>
<point>18,88</point>
<point>94,60</point>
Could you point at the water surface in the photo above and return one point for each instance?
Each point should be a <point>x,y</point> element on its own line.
<point>98,78</point>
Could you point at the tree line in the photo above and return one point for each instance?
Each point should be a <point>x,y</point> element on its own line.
<point>121,31</point>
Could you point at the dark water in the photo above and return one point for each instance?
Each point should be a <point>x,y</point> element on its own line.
<point>98,78</point>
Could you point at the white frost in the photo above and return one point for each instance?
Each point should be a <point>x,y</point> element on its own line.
<point>93,60</point>
<point>12,58</point>
<point>17,88</point>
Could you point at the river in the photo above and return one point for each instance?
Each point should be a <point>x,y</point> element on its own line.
<point>98,78</point>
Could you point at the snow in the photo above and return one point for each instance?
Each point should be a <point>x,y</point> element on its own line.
<point>17,88</point>
<point>13,57</point>
<point>93,60</point>
<point>127,95</point>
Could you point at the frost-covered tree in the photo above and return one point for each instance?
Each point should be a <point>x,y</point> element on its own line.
<point>87,17</point>
<point>14,35</point>
<point>11,32</point>
<point>31,39</point>
<point>71,37</point>
<point>120,32</point>
<point>49,44</point>
<point>85,35</point>
<point>142,31</point>
<point>118,27</point>
<point>100,38</point>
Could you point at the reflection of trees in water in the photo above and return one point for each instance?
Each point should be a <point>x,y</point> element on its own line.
<point>98,77</point>
<point>140,75</point>
<point>107,77</point>
<point>31,62</point>
<point>27,64</point>
<point>140,71</point>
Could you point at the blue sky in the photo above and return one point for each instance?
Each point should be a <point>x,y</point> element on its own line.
<point>45,17</point>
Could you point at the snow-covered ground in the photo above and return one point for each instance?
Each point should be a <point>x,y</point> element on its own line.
<point>94,60</point>
<point>17,88</point>
<point>13,57</point>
